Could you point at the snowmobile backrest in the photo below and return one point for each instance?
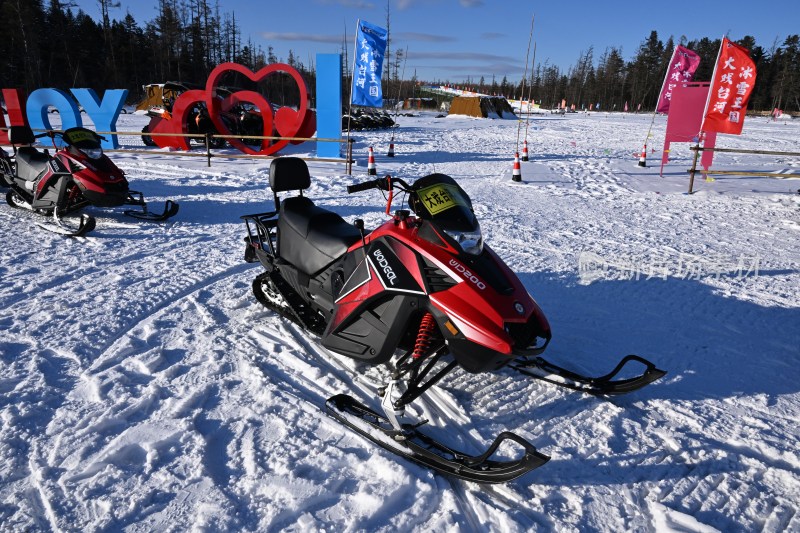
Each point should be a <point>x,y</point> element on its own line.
<point>288,174</point>
<point>20,135</point>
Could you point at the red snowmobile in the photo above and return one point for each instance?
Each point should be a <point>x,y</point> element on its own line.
<point>422,293</point>
<point>79,174</point>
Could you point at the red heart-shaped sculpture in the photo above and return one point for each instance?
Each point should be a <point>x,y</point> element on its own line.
<point>287,121</point>
<point>266,120</point>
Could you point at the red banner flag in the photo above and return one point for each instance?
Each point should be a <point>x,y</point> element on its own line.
<point>681,69</point>
<point>731,86</point>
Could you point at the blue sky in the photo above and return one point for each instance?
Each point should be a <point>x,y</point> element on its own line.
<point>456,39</point>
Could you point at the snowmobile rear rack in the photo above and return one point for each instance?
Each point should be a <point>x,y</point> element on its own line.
<point>420,448</point>
<point>262,232</point>
<point>606,385</point>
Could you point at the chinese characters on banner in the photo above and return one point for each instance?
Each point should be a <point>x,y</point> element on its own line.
<point>681,69</point>
<point>734,78</point>
<point>370,47</point>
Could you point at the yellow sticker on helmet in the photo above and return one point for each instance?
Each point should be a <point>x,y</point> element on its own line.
<point>439,197</point>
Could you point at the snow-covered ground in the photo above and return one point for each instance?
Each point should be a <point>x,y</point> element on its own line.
<point>144,388</point>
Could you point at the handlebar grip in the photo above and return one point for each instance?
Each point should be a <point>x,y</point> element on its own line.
<point>358,187</point>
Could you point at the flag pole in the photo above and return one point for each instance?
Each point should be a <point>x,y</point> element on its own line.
<point>530,91</point>
<point>663,84</point>
<point>527,55</point>
<point>399,93</point>
<point>713,75</point>
<point>352,79</point>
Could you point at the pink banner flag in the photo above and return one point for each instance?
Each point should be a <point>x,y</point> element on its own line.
<point>681,69</point>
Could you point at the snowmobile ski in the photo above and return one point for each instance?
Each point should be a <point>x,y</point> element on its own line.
<point>606,385</point>
<point>86,225</point>
<point>420,448</point>
<point>87,222</point>
<point>170,208</point>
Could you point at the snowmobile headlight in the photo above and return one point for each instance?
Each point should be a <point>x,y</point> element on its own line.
<point>93,153</point>
<point>470,241</point>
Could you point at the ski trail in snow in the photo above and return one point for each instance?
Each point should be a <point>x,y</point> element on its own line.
<point>102,362</point>
<point>130,366</point>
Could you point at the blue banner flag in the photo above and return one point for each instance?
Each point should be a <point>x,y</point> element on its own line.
<point>370,48</point>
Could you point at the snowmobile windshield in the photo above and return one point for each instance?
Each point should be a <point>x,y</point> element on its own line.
<point>84,140</point>
<point>439,199</point>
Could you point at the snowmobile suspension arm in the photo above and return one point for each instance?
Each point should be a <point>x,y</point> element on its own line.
<point>417,372</point>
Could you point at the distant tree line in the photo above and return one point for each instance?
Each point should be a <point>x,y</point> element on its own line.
<point>48,43</point>
<point>614,81</point>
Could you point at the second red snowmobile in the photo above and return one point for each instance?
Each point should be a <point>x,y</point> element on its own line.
<point>423,294</point>
<point>77,175</point>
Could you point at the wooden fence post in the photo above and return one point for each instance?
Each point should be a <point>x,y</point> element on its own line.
<point>694,166</point>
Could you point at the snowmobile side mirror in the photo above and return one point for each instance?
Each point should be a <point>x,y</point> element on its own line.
<point>359,224</point>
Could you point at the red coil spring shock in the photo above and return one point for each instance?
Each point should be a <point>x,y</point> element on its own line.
<point>424,336</point>
<point>73,194</point>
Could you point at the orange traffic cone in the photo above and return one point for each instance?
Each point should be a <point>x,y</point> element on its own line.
<point>525,151</point>
<point>517,174</point>
<point>371,170</point>
<point>391,150</point>
<point>643,157</point>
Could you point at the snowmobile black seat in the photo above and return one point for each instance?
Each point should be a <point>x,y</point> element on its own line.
<point>30,161</point>
<point>311,237</point>
<point>288,174</point>
<point>20,135</point>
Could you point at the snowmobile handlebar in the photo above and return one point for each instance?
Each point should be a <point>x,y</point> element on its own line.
<point>364,186</point>
<point>385,183</point>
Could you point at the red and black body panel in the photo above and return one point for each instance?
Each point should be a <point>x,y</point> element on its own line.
<point>484,313</point>
<point>99,180</point>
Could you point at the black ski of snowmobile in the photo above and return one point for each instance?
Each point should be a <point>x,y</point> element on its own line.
<point>57,223</point>
<point>136,198</point>
<point>412,444</point>
<point>606,385</point>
